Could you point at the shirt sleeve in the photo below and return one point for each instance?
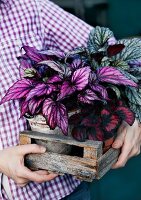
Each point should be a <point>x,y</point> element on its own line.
<point>62,30</point>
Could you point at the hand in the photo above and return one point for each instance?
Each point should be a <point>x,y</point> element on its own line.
<point>129,140</point>
<point>12,165</point>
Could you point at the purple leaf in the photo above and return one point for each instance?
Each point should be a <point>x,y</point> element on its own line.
<point>77,63</point>
<point>101,90</point>
<point>62,118</point>
<point>34,54</point>
<point>34,105</point>
<point>88,97</point>
<point>41,89</point>
<point>49,112</point>
<point>54,79</point>
<point>52,53</point>
<point>66,89</point>
<point>56,115</point>
<point>53,65</point>
<point>24,108</point>
<point>18,90</point>
<point>93,78</point>
<point>113,75</point>
<point>80,77</point>
<point>115,49</point>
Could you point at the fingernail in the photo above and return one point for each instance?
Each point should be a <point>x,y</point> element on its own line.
<point>43,149</point>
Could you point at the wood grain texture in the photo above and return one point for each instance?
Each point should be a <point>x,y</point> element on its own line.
<point>92,165</point>
<point>92,153</point>
<point>62,164</point>
<point>62,139</point>
<point>106,161</point>
<point>24,139</point>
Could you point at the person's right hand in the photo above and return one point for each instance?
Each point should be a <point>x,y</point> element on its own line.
<point>12,165</point>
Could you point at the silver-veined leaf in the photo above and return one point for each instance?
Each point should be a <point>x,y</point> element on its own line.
<point>105,62</point>
<point>132,50</point>
<point>121,64</point>
<point>98,38</point>
<point>136,109</point>
<point>133,95</point>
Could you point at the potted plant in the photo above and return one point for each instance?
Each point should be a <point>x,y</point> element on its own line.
<point>91,89</point>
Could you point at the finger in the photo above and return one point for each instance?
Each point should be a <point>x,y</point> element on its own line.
<point>36,177</point>
<point>23,184</point>
<point>31,148</point>
<point>20,181</point>
<point>135,152</point>
<point>126,149</point>
<point>42,172</point>
<point>120,138</point>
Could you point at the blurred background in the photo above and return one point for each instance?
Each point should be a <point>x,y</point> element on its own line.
<point>123,17</point>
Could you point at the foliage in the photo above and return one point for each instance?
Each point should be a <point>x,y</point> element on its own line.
<point>101,80</point>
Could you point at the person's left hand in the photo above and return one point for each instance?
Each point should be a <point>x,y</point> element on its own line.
<point>129,140</point>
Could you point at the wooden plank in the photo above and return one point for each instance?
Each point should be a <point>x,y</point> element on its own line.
<point>62,139</point>
<point>106,161</point>
<point>25,140</point>
<point>62,164</point>
<point>92,153</point>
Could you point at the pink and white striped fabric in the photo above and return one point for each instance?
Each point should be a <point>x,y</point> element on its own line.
<point>42,24</point>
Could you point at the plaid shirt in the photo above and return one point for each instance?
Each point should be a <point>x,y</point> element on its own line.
<point>42,24</point>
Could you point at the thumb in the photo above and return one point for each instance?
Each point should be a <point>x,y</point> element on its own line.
<point>31,148</point>
<point>118,143</point>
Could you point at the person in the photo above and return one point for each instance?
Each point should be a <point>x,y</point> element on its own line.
<point>42,24</point>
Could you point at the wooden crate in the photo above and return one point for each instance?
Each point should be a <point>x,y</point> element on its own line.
<point>92,164</point>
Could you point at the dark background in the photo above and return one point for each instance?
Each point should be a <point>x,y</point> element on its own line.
<point>122,16</point>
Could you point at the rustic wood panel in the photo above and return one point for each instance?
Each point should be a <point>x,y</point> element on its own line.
<point>25,140</point>
<point>93,165</point>
<point>62,139</point>
<point>92,153</point>
<point>61,164</point>
<point>106,161</point>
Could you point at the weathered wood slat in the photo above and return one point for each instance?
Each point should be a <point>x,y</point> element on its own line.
<point>92,153</point>
<point>106,161</point>
<point>79,167</point>
<point>93,165</point>
<point>62,139</point>
<point>24,139</point>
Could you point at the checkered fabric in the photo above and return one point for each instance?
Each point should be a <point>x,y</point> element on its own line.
<point>42,24</point>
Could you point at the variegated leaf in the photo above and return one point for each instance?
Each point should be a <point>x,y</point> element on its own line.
<point>121,64</point>
<point>136,109</point>
<point>132,50</point>
<point>133,95</point>
<point>98,37</point>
